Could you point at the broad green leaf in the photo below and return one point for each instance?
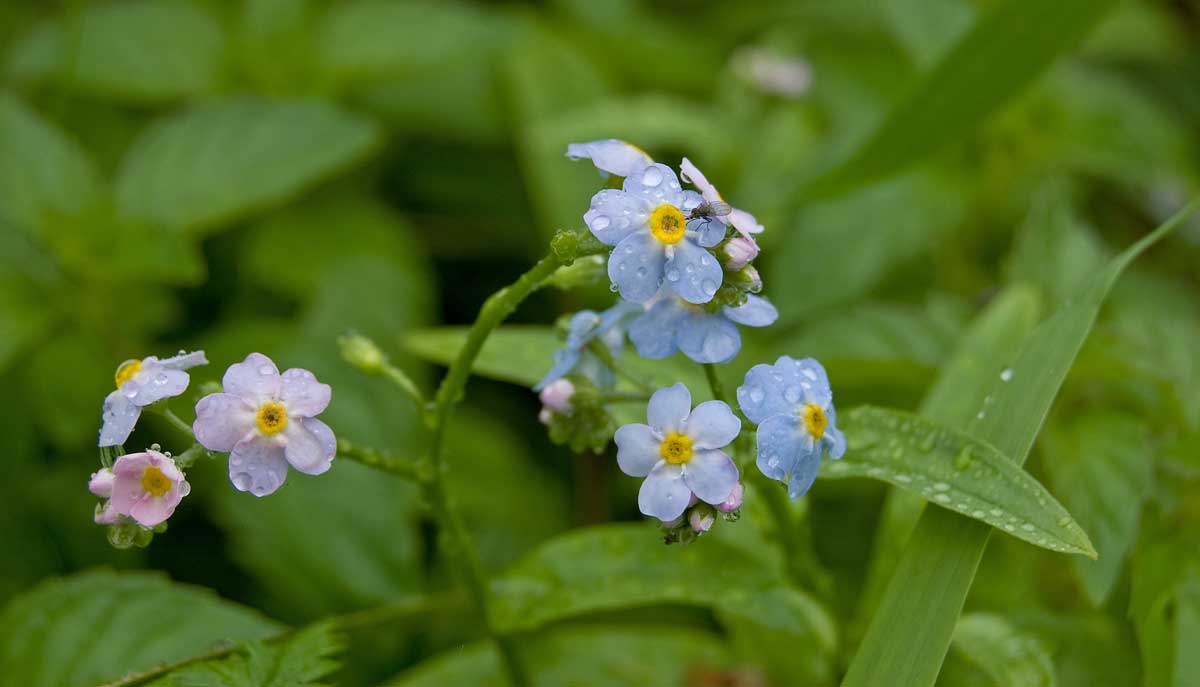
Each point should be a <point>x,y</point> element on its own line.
<point>1053,249</point>
<point>972,79</point>
<point>911,630</point>
<point>82,630</point>
<point>927,28</point>
<point>1101,465</point>
<point>141,51</point>
<point>296,661</point>
<point>203,168</point>
<point>41,169</point>
<point>951,469</point>
<point>595,656</point>
<point>1003,654</point>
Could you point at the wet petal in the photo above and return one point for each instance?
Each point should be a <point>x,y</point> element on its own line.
<point>255,379</point>
<point>654,332</point>
<point>657,184</point>
<point>711,475</point>
<point>120,415</point>
<point>708,338</point>
<point>693,272</point>
<point>744,222</point>
<point>781,446</point>
<point>664,495</point>
<point>611,155</point>
<point>222,420</point>
<point>614,214</point>
<point>324,434</point>
<point>755,312</point>
<point>669,407</point>
<point>802,478</point>
<point>257,465</point>
<point>783,387</point>
<point>636,266</point>
<point>152,511</point>
<point>304,450</point>
<point>712,425</point>
<point>637,449</point>
<point>565,360</point>
<point>695,177</point>
<point>184,361</point>
<point>707,231</point>
<point>303,394</point>
<point>834,439</point>
<point>153,383</point>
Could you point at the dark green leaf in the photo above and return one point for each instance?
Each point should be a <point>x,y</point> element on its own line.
<point>297,661</point>
<point>1006,656</point>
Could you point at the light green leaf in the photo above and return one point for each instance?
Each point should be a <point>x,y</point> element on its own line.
<point>927,28</point>
<point>1101,465</point>
<point>957,472</point>
<point>297,661</point>
<point>141,51</point>
<point>1187,634</point>
<point>595,656</point>
<point>1053,249</point>
<point>207,167</point>
<point>908,637</point>
<point>1166,569</point>
<point>973,78</point>
<point>82,630</point>
<point>1006,656</point>
<point>41,169</point>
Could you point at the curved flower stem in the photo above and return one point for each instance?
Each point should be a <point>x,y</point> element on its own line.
<point>714,382</point>
<point>565,248</point>
<point>415,470</point>
<point>174,420</point>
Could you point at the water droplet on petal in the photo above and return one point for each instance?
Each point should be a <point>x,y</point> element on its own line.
<point>614,288</point>
<point>600,223</point>
<point>241,480</point>
<point>266,370</point>
<point>709,287</point>
<point>792,394</point>
<point>673,275</point>
<point>155,447</point>
<point>756,394</point>
<point>652,177</point>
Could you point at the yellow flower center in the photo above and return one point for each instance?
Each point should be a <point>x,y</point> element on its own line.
<point>814,419</point>
<point>676,449</point>
<point>667,224</point>
<point>127,370</point>
<point>271,418</point>
<point>155,482</point>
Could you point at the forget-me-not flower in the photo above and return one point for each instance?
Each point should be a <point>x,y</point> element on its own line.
<point>266,421</point>
<point>673,324</point>
<point>585,326</point>
<point>655,241</point>
<point>145,487</point>
<point>792,404</point>
<point>140,383</point>
<point>611,155</point>
<point>679,453</point>
<point>741,220</point>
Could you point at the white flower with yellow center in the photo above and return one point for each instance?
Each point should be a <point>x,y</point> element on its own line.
<point>140,383</point>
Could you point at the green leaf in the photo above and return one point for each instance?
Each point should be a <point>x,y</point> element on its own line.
<point>1187,634</point>
<point>1053,249</point>
<point>595,656</point>
<point>140,51</point>
<point>1101,465</point>
<point>207,167</point>
<point>927,28</point>
<point>972,79</point>
<point>1006,656</point>
<point>951,469</point>
<point>41,169</point>
<point>297,661</point>
<point>910,632</point>
<point>83,630</point>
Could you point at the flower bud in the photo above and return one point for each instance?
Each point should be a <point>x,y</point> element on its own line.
<point>734,501</point>
<point>545,416</point>
<point>101,483</point>
<point>739,251</point>
<point>701,520</point>
<point>105,514</point>
<point>749,279</point>
<point>363,354</point>
<point>557,396</point>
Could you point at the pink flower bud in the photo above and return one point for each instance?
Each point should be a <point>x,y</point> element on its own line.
<point>739,252</point>
<point>734,501</point>
<point>101,483</point>
<point>701,520</point>
<point>557,395</point>
<point>545,416</point>
<point>106,514</point>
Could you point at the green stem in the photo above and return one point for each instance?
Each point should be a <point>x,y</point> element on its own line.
<point>175,421</point>
<point>600,350</point>
<point>714,382</point>
<point>374,458</point>
<point>397,377</point>
<point>624,397</point>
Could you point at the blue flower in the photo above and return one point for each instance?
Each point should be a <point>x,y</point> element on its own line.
<point>611,155</point>
<point>679,453</point>
<point>585,326</point>
<point>655,242</point>
<point>792,404</point>
<point>673,324</point>
<point>741,220</point>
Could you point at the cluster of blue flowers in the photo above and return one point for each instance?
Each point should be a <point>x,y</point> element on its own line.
<point>682,262</point>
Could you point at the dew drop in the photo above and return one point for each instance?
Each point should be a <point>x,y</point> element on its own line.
<point>996,512</point>
<point>672,275</point>
<point>963,460</point>
<point>756,394</point>
<point>927,443</point>
<point>155,447</point>
<point>1064,521</point>
<point>792,394</point>
<point>942,498</point>
<point>941,486</point>
<point>600,223</point>
<point>980,415</point>
<point>242,481</point>
<point>628,249</point>
<point>690,268</point>
<point>1027,527</point>
<point>1006,374</point>
<point>614,288</point>
<point>641,272</point>
<point>266,370</point>
<point>652,177</point>
<point>709,287</point>
<point>901,477</point>
<point>705,261</point>
<point>235,461</point>
<point>977,514</point>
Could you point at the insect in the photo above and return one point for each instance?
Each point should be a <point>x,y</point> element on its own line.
<point>715,208</point>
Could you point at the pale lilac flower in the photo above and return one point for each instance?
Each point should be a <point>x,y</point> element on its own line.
<point>101,484</point>
<point>741,220</point>
<point>734,501</point>
<point>739,251</point>
<point>145,487</point>
<point>679,453</point>
<point>701,520</point>
<point>266,421</point>
<point>611,155</point>
<point>557,396</point>
<point>140,383</point>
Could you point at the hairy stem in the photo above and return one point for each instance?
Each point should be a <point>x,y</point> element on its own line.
<point>411,469</point>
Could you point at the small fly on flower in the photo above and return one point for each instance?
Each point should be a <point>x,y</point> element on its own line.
<point>715,208</point>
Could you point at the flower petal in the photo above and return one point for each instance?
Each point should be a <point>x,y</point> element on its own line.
<point>565,360</point>
<point>324,434</point>
<point>668,408</point>
<point>755,312</point>
<point>153,383</point>
<point>693,176</point>
<point>664,495</point>
<point>706,231</point>
<point>712,425</point>
<point>711,475</point>
<point>152,511</point>
<point>255,379</point>
<point>744,222</point>
<point>257,465</point>
<point>637,449</point>
<point>303,395</point>
<point>833,439</point>
<point>614,214</point>
<point>802,478</point>
<point>782,445</point>
<point>636,266</point>
<point>783,387</point>
<point>222,420</point>
<point>306,451</point>
<point>184,361</point>
<point>654,332</point>
<point>692,272</point>
<point>708,338</point>
<point>657,184</point>
<point>611,155</point>
<point>120,415</point>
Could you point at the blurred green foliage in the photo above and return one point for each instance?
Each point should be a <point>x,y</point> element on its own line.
<point>239,175</point>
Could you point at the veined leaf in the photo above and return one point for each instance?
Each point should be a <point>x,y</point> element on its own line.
<point>957,472</point>
<point>909,634</point>
<point>970,81</point>
<point>210,166</point>
<point>298,661</point>
<point>80,631</point>
<point>1006,656</point>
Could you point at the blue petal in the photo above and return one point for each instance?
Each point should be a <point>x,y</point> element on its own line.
<point>614,214</point>
<point>708,232</point>
<point>693,273</point>
<point>120,416</point>
<point>712,425</point>
<point>755,312</point>
<point>664,495</point>
<point>657,184</point>
<point>711,476</point>
<point>565,360</point>
<point>653,333</point>
<point>708,338</point>
<point>834,439</point>
<point>636,266</point>
<point>691,201</point>
<point>814,383</point>
<point>783,446</point>
<point>583,327</point>
<point>783,387</point>
<point>801,480</point>
<point>610,155</point>
<point>669,408</point>
<point>637,449</point>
